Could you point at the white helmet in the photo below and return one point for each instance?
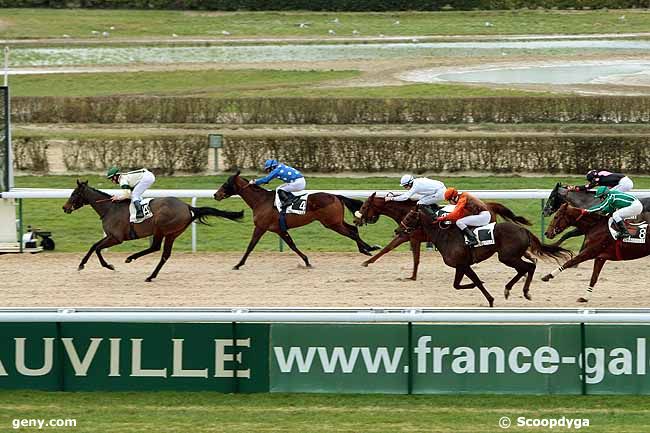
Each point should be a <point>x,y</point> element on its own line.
<point>406,180</point>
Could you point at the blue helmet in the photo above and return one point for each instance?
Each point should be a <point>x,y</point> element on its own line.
<point>270,164</point>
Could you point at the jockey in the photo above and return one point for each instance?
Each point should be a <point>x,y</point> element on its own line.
<point>430,191</point>
<point>615,181</point>
<point>469,211</point>
<point>134,183</point>
<point>619,205</point>
<point>294,181</point>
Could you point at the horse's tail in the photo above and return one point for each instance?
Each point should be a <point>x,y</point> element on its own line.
<point>200,213</point>
<point>507,214</point>
<point>352,204</point>
<point>542,250</point>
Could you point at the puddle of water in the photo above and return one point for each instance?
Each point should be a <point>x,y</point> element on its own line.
<point>25,57</point>
<point>593,73</point>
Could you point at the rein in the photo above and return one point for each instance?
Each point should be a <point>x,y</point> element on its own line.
<point>103,200</point>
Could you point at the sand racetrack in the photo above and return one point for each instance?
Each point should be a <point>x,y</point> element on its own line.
<point>276,279</point>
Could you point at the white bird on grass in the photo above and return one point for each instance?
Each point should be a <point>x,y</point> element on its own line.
<point>331,32</point>
<point>225,32</point>
<point>174,35</point>
<point>396,23</point>
<point>105,34</point>
<point>335,20</point>
<point>488,24</point>
<point>355,32</point>
<point>94,32</point>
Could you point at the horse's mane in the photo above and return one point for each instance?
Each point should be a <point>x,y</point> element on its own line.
<point>104,194</point>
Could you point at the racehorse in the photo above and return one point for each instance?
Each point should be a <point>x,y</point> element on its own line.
<point>583,199</point>
<point>599,243</point>
<point>170,218</point>
<point>375,206</point>
<point>328,209</point>
<point>512,242</point>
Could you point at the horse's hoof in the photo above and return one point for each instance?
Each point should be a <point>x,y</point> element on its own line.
<point>375,247</point>
<point>581,299</point>
<point>491,303</point>
<point>111,267</point>
<point>367,253</point>
<point>148,280</point>
<point>547,277</point>
<point>412,278</point>
<point>128,260</point>
<point>506,293</point>
<point>235,268</point>
<point>80,268</point>
<point>309,266</point>
<point>527,296</point>
<point>365,264</point>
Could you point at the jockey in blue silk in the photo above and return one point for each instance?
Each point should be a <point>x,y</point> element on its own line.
<point>294,181</point>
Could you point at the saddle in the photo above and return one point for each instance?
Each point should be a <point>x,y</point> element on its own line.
<point>296,204</point>
<point>637,226</point>
<point>146,210</point>
<point>484,235</point>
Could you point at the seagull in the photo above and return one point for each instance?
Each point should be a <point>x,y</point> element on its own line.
<point>396,23</point>
<point>225,32</point>
<point>415,40</point>
<point>488,24</point>
<point>112,28</point>
<point>622,18</point>
<point>94,32</point>
<point>303,25</point>
<point>105,34</point>
<point>355,32</point>
<point>335,20</point>
<point>66,36</point>
<point>174,35</point>
<point>331,32</point>
<point>381,35</point>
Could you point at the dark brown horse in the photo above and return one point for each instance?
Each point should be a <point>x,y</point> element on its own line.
<point>375,206</point>
<point>599,244</point>
<point>512,242</point>
<point>328,209</point>
<point>170,218</point>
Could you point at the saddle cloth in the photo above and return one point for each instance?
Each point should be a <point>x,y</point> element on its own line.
<point>146,210</point>
<point>484,235</point>
<point>637,229</point>
<point>298,206</point>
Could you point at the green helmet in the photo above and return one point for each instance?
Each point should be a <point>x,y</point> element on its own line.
<point>601,191</point>
<point>112,172</point>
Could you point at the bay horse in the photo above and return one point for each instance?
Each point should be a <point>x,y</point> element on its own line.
<point>328,209</point>
<point>599,245</point>
<point>375,206</point>
<point>583,199</point>
<point>512,242</point>
<point>170,218</point>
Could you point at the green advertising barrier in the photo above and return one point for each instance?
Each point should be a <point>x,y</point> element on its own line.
<point>135,356</point>
<point>337,358</point>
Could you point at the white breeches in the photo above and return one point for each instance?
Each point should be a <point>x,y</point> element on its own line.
<point>295,186</point>
<point>432,198</point>
<point>626,212</point>
<point>474,220</point>
<point>147,180</point>
<point>624,185</point>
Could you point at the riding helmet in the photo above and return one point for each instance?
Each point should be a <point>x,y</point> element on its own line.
<point>451,193</point>
<point>270,164</point>
<point>112,172</point>
<point>601,191</point>
<point>406,180</point>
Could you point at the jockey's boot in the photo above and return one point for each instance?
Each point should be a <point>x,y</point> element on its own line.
<point>285,198</point>
<point>622,230</point>
<point>470,237</point>
<point>138,209</point>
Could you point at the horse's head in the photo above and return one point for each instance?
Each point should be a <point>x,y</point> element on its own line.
<point>77,199</point>
<point>230,187</point>
<point>554,200</point>
<point>565,217</point>
<point>370,211</point>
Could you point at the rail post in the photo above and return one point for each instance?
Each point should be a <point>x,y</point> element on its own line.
<point>20,224</point>
<point>193,228</point>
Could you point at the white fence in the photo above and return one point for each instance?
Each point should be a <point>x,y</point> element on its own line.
<point>322,315</point>
<point>194,194</point>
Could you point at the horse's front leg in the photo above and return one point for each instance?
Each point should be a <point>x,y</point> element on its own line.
<point>397,241</point>
<point>585,255</point>
<point>257,234</point>
<point>598,266</point>
<point>415,250</point>
<point>89,253</point>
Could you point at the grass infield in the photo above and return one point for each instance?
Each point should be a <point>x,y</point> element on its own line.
<point>180,412</point>
<point>77,231</point>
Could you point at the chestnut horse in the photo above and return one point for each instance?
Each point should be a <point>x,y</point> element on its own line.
<point>328,209</point>
<point>512,242</point>
<point>170,218</point>
<point>599,244</point>
<point>375,206</point>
